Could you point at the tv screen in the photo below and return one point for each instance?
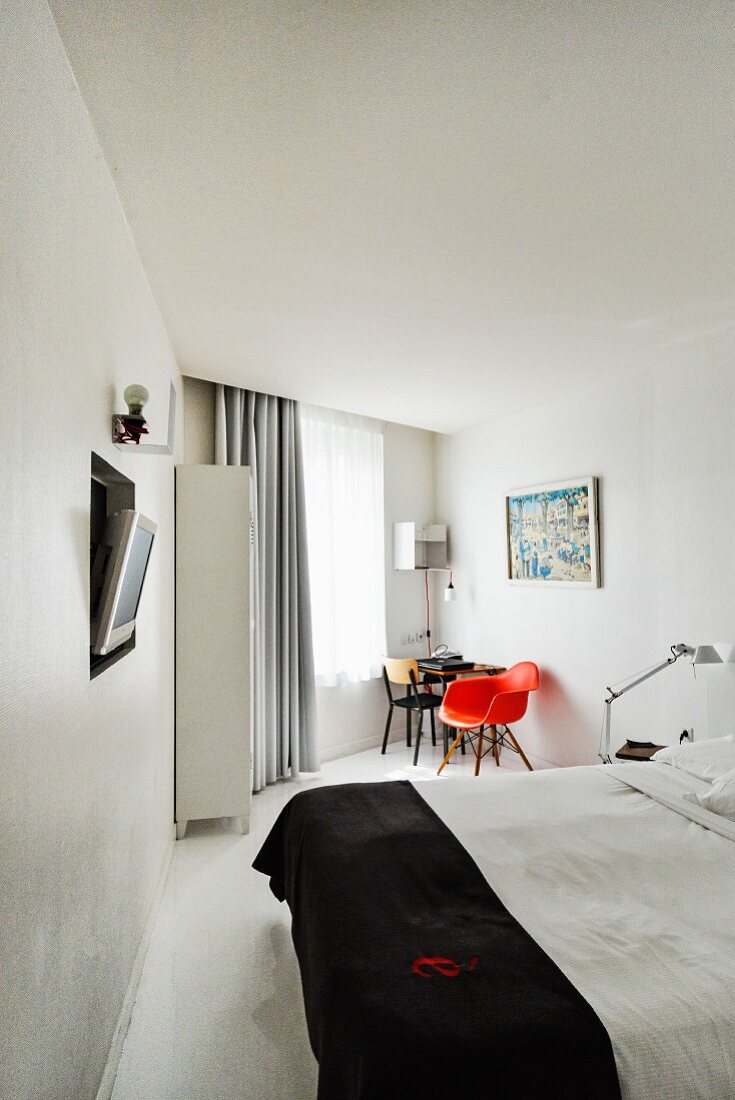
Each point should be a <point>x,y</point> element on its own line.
<point>124,553</point>
<point>133,577</point>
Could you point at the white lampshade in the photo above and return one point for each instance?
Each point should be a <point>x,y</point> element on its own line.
<point>450,593</point>
<point>706,655</point>
<point>726,651</point>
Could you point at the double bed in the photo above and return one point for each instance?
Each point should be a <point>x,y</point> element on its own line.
<point>566,933</point>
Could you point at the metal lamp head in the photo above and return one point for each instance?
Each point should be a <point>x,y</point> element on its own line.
<point>706,655</point>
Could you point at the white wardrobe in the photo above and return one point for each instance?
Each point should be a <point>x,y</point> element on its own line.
<point>213,629</point>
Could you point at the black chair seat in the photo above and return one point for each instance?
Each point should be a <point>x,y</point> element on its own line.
<point>405,672</point>
<point>423,699</point>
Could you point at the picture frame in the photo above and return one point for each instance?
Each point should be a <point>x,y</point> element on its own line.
<point>553,534</point>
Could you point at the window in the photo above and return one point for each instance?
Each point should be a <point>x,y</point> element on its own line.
<point>343,475</point>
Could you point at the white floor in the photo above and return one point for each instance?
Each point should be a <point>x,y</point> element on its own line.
<point>219,1013</point>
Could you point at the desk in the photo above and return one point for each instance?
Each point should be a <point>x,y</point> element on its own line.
<point>450,673</point>
<point>445,676</point>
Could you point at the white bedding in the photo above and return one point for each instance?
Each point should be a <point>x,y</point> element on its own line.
<point>613,874</point>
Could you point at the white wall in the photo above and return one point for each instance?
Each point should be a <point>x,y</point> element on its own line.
<point>86,782</point>
<point>663,445</point>
<point>199,421</point>
<point>352,716</point>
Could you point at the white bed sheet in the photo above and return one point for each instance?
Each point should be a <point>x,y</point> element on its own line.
<point>631,897</point>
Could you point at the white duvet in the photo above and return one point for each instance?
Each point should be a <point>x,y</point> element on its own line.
<point>630,888</point>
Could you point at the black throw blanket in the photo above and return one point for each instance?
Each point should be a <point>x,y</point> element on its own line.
<point>418,983</point>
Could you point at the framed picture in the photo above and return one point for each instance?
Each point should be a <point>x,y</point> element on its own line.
<point>553,534</point>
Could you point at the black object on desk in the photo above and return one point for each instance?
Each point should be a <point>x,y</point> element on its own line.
<point>446,664</point>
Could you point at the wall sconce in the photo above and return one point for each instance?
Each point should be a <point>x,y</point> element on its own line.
<point>127,428</point>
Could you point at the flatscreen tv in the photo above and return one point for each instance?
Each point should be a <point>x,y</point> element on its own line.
<point>118,573</point>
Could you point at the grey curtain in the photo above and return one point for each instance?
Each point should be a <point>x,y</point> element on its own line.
<point>263,432</point>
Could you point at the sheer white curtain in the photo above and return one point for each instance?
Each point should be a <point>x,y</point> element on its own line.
<point>343,479</point>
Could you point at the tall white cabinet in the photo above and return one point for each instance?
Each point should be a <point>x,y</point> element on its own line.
<point>213,689</point>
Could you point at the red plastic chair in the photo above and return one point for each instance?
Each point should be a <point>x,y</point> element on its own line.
<point>473,703</point>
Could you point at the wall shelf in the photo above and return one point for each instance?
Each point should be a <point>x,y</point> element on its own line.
<point>166,448</point>
<point>420,546</point>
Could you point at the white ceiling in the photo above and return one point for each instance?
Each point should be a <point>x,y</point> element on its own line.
<point>430,212</point>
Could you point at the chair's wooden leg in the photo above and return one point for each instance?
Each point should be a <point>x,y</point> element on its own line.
<point>418,738</point>
<point>387,729</point>
<point>496,750</point>
<point>478,752</point>
<point>521,753</point>
<point>433,728</point>
<point>457,741</point>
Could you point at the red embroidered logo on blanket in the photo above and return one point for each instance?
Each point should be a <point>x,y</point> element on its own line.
<point>448,968</point>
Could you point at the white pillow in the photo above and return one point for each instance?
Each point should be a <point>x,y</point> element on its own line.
<point>720,799</point>
<point>703,759</point>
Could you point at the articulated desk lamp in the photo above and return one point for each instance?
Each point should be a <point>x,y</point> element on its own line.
<point>701,655</point>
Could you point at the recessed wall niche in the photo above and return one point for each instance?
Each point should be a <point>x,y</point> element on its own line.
<point>110,491</point>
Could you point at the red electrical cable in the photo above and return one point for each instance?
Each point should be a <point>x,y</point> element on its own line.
<point>429,687</point>
<point>428,612</point>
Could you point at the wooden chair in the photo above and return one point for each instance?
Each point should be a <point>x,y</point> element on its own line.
<point>406,673</point>
<point>475,703</point>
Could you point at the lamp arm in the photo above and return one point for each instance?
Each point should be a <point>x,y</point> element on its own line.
<point>640,679</point>
<point>677,651</point>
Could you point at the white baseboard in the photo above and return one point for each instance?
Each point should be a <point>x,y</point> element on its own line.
<point>539,763</point>
<point>104,1092</point>
<point>349,748</point>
